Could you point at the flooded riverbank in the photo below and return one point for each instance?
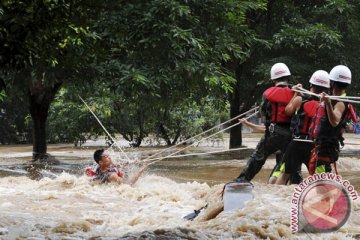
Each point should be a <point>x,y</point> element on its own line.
<point>63,204</point>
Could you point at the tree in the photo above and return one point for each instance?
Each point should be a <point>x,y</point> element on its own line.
<point>302,34</point>
<point>69,119</point>
<point>145,64</point>
<point>165,53</point>
<point>14,118</point>
<point>43,44</point>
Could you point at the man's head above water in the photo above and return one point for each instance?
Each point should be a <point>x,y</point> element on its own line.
<point>102,157</point>
<point>108,172</point>
<point>98,154</point>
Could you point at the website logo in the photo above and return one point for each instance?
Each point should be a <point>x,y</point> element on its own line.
<point>321,203</point>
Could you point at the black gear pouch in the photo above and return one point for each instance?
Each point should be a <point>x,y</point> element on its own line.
<point>329,152</point>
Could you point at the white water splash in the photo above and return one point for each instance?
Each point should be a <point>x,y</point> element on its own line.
<point>70,206</point>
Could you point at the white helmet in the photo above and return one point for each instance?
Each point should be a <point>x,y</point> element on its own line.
<point>320,78</point>
<point>341,73</point>
<point>279,70</point>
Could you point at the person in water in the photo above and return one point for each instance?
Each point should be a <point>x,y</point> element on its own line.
<point>108,172</point>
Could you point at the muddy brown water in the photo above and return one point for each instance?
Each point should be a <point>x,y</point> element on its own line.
<point>58,202</point>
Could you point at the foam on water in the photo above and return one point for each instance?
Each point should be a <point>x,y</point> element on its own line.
<point>71,206</point>
<point>348,164</point>
<point>68,206</point>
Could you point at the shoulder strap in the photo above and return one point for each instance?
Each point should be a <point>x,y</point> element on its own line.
<point>352,113</point>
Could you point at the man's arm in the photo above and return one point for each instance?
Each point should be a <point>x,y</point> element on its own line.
<point>293,106</point>
<point>255,127</point>
<point>295,102</point>
<point>115,178</point>
<point>133,178</point>
<point>334,114</point>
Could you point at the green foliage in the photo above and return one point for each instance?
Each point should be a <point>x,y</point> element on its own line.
<point>159,57</point>
<point>13,113</point>
<point>306,35</point>
<point>174,49</point>
<point>43,41</point>
<point>317,35</point>
<point>42,45</point>
<point>69,121</point>
<point>163,68</point>
<point>188,120</point>
<point>2,95</point>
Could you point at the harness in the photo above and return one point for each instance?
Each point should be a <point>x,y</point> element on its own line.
<point>321,129</point>
<point>327,138</point>
<point>319,153</point>
<point>301,121</point>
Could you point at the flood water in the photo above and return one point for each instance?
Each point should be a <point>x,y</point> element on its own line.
<point>58,202</point>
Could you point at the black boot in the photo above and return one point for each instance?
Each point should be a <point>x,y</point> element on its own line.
<point>241,179</point>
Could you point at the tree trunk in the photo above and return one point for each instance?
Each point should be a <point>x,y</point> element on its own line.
<point>138,142</point>
<point>39,107</point>
<point>142,134</point>
<point>164,134</point>
<point>235,104</point>
<point>177,135</point>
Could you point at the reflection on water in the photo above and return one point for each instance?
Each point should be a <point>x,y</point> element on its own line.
<point>58,202</point>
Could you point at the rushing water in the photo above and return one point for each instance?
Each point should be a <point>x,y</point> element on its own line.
<point>59,202</point>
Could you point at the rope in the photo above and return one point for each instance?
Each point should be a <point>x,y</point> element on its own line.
<point>104,128</point>
<point>338,98</point>
<point>301,90</point>
<point>156,154</point>
<point>222,130</point>
<point>347,97</point>
<point>343,99</point>
<point>198,154</point>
